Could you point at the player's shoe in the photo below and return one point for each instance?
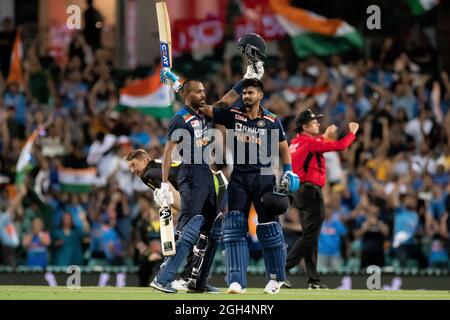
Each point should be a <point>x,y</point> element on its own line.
<point>167,288</point>
<point>211,289</point>
<point>317,286</point>
<point>286,284</point>
<point>180,285</point>
<point>207,289</point>
<point>273,287</point>
<point>235,288</point>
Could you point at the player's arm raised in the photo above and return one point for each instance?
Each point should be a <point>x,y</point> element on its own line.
<point>170,78</point>
<point>235,93</point>
<point>327,146</point>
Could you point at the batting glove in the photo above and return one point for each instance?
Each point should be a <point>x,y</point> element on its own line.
<point>255,70</point>
<point>169,78</point>
<point>289,181</point>
<point>163,197</point>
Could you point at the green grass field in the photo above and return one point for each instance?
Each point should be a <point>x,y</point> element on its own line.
<point>129,293</point>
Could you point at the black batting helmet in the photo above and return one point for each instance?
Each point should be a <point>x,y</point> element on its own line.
<point>275,203</point>
<point>253,46</point>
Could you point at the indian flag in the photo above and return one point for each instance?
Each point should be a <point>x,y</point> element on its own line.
<point>320,94</point>
<point>421,6</point>
<point>149,96</point>
<point>24,163</point>
<point>77,180</point>
<point>312,34</point>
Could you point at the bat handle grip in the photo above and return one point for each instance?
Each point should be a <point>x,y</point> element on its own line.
<point>177,86</point>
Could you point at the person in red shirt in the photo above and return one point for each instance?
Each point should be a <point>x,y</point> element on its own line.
<point>307,149</point>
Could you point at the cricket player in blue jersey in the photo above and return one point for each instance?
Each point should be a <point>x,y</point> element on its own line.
<point>198,198</point>
<point>252,125</point>
<point>198,223</point>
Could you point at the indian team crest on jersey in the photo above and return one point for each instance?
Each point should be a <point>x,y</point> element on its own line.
<point>261,123</point>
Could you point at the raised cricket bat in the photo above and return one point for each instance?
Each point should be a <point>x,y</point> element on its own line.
<point>165,49</point>
<point>166,230</point>
<point>165,36</point>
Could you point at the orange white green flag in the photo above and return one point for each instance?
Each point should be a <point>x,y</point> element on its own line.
<point>148,96</point>
<point>24,164</point>
<point>77,180</point>
<point>312,34</point>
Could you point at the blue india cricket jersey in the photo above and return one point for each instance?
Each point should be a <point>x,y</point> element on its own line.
<point>190,128</point>
<point>252,145</point>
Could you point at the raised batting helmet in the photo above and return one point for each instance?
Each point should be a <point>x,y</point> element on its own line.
<point>275,203</point>
<point>253,46</point>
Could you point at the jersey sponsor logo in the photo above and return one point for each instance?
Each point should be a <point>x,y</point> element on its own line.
<point>201,142</point>
<point>240,118</point>
<point>165,55</point>
<point>195,123</point>
<point>201,137</point>
<point>329,230</point>
<point>250,130</point>
<point>198,133</point>
<point>247,138</point>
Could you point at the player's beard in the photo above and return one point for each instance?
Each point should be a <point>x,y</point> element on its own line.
<point>198,104</point>
<point>248,104</point>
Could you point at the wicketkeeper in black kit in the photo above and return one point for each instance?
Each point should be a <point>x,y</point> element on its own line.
<point>149,170</point>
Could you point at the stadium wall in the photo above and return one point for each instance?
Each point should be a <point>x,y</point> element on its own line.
<point>431,281</point>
